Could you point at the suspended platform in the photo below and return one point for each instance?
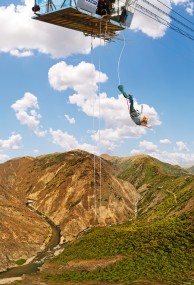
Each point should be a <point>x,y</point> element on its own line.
<point>83,21</point>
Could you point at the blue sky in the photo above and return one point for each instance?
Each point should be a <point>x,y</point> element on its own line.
<point>57,95</point>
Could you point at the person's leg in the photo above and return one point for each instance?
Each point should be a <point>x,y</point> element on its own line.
<point>130,98</point>
<point>120,87</point>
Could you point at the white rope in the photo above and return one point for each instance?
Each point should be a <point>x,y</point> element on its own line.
<point>93,127</point>
<point>99,134</point>
<point>118,69</point>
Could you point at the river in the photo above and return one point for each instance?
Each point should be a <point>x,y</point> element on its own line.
<point>40,258</point>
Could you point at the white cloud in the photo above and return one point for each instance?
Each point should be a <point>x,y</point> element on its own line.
<point>146,24</point>
<point>113,112</point>
<point>28,101</point>
<point>174,157</point>
<point>179,2</point>
<point>20,53</point>
<point>169,157</point>
<point>68,142</point>
<point>181,146</point>
<point>22,35</point>
<point>148,146</point>
<point>165,141</point>
<point>70,120</point>
<point>108,138</point>
<point>82,78</point>
<point>13,142</point>
<point>190,8</point>
<point>4,157</point>
<point>26,113</point>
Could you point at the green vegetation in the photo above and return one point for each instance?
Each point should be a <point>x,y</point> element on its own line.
<point>191,169</point>
<point>50,160</point>
<point>169,168</point>
<point>160,251</point>
<point>166,196</point>
<point>144,169</point>
<point>20,261</point>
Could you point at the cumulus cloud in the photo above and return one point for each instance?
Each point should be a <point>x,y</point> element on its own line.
<point>148,146</point>
<point>13,142</point>
<point>25,109</point>
<point>82,77</point>
<point>70,120</point>
<point>181,146</point>
<point>179,2</point>
<point>165,141</point>
<point>169,157</point>
<point>186,4</point>
<point>146,24</point>
<point>174,157</point>
<point>22,35</point>
<point>190,8</point>
<point>4,157</point>
<point>69,142</point>
<point>20,53</point>
<point>113,112</point>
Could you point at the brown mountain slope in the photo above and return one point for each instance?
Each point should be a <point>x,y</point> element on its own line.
<point>190,169</point>
<point>165,189</point>
<point>63,187</point>
<point>22,232</point>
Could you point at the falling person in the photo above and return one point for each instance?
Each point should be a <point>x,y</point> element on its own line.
<point>136,116</point>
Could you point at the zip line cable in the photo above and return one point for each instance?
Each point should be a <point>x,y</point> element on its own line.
<point>159,19</point>
<point>166,14</point>
<point>175,12</point>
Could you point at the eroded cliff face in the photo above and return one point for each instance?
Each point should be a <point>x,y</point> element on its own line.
<point>75,189</point>
<point>22,231</point>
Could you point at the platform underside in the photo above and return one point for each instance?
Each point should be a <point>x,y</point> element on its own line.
<point>79,20</point>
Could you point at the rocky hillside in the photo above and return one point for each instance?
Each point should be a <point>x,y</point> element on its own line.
<point>165,189</point>
<point>68,189</point>
<point>191,169</point>
<point>22,232</point>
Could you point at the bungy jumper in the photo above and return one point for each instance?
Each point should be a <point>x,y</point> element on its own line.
<point>96,18</point>
<point>135,115</point>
